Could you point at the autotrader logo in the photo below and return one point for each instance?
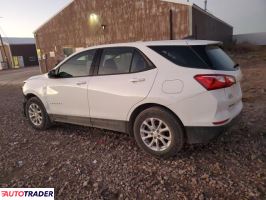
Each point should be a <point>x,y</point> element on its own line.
<point>27,193</point>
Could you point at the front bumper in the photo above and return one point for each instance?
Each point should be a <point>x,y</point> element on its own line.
<point>199,135</point>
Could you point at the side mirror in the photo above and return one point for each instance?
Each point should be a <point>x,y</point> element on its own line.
<point>52,74</point>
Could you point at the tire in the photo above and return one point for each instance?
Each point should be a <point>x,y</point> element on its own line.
<point>41,120</point>
<point>158,124</point>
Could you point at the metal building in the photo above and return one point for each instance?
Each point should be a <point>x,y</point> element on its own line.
<point>17,52</point>
<point>251,38</point>
<point>85,23</point>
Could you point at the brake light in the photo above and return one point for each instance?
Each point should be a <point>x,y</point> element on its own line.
<point>220,122</point>
<point>215,81</point>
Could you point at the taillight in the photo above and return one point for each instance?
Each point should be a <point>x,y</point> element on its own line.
<point>215,81</point>
<point>221,122</point>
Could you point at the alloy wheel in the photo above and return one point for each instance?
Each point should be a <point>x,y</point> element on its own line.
<point>155,134</point>
<point>35,114</point>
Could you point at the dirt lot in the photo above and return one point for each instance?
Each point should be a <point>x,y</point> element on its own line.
<point>85,163</point>
<point>17,76</point>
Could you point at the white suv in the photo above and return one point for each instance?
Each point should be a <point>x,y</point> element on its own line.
<point>165,93</point>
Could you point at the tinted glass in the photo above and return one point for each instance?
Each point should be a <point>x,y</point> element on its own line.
<point>139,63</point>
<point>79,65</point>
<point>115,60</point>
<point>181,55</point>
<point>201,57</point>
<point>215,57</point>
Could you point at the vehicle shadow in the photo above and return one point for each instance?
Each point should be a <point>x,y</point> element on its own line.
<point>228,142</point>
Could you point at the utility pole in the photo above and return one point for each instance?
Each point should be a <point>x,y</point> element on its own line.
<point>2,43</point>
<point>205,5</point>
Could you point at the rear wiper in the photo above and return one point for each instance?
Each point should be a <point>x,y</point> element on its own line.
<point>236,65</point>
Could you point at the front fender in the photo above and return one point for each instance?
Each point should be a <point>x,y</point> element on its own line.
<point>36,88</point>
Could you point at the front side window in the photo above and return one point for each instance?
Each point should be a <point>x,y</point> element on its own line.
<point>77,66</point>
<point>115,60</point>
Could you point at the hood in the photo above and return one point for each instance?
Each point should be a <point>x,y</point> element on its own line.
<point>43,76</point>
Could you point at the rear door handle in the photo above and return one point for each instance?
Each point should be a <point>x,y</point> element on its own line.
<point>81,83</point>
<point>135,80</point>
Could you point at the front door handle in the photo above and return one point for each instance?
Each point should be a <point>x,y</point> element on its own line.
<point>81,83</point>
<point>135,80</point>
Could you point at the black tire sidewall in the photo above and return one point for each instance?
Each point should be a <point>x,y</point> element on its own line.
<point>45,122</point>
<point>173,124</point>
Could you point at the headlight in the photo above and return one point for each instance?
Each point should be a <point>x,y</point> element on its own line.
<point>23,85</point>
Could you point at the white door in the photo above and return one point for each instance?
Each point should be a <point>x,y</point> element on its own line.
<point>21,61</point>
<point>67,94</point>
<point>124,78</point>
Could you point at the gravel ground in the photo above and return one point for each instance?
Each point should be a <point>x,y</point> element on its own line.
<point>86,163</point>
<point>17,76</point>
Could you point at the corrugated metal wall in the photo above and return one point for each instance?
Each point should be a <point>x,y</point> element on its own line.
<point>27,51</point>
<point>124,20</point>
<point>206,27</point>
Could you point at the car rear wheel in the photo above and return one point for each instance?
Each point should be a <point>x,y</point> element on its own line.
<point>159,132</point>
<point>36,114</point>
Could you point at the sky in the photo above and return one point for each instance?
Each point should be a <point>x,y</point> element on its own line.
<point>20,18</point>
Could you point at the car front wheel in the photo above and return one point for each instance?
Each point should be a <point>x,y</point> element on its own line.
<point>159,132</point>
<point>36,114</point>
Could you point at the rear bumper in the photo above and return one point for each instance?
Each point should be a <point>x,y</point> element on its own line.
<point>196,135</point>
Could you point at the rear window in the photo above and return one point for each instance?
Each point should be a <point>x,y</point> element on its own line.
<point>215,57</point>
<point>199,56</point>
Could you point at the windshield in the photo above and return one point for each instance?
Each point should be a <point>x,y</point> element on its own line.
<point>199,56</point>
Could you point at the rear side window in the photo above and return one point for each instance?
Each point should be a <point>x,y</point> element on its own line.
<point>199,56</point>
<point>115,61</point>
<point>139,63</point>
<point>122,60</point>
<point>180,55</point>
